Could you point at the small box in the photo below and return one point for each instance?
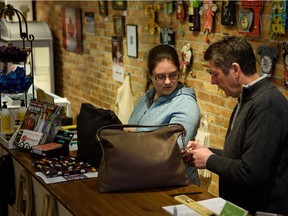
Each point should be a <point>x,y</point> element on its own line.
<point>59,146</point>
<point>52,149</point>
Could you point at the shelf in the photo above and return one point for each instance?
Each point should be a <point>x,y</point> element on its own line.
<point>12,53</point>
<point>15,80</point>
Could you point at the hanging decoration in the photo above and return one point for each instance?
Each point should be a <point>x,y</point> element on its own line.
<point>194,16</point>
<point>152,25</point>
<point>278,17</point>
<point>168,7</point>
<point>167,36</point>
<point>180,10</point>
<point>187,59</point>
<point>208,12</point>
<point>268,57</point>
<point>228,13</point>
<point>249,17</point>
<point>285,60</point>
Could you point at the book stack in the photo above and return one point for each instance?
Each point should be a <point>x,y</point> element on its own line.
<point>39,126</point>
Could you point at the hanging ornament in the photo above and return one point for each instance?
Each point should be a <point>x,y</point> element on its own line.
<point>167,36</point>
<point>268,56</point>
<point>228,13</point>
<point>278,17</point>
<point>180,11</point>
<point>208,11</point>
<point>187,58</point>
<point>152,25</point>
<point>194,16</point>
<point>168,7</point>
<point>249,17</point>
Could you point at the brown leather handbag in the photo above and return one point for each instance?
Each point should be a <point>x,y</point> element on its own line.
<point>142,159</point>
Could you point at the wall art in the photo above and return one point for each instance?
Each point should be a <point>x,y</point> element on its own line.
<point>132,40</point>
<point>103,8</point>
<point>117,58</point>
<point>119,5</point>
<point>72,29</point>
<point>119,25</point>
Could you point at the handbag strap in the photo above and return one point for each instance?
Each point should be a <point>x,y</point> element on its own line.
<point>121,126</point>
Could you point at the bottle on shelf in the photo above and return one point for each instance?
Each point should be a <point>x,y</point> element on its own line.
<point>5,118</point>
<point>22,111</point>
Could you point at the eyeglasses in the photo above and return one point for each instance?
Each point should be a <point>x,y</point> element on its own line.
<point>162,78</point>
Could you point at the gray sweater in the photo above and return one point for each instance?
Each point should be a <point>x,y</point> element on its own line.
<point>252,168</point>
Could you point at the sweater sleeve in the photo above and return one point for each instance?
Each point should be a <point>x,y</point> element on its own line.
<point>216,151</point>
<point>187,113</point>
<point>248,157</point>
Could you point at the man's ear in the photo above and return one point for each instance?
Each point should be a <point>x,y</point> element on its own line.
<point>236,69</point>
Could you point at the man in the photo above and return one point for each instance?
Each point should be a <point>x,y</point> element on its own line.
<point>42,123</point>
<point>252,167</point>
<point>29,122</point>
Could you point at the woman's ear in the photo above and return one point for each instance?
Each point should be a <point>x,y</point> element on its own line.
<point>148,82</point>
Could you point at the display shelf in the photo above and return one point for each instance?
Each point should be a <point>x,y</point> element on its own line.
<point>15,80</point>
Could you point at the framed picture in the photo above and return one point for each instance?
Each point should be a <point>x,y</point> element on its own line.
<point>103,8</point>
<point>132,41</point>
<point>89,23</point>
<point>119,5</point>
<point>72,29</point>
<point>119,25</point>
<point>117,57</point>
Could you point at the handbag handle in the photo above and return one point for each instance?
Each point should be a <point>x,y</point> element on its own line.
<point>121,126</point>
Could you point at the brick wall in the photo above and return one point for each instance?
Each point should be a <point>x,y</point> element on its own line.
<point>87,77</point>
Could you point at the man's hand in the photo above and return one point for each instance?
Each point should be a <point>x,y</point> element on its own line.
<point>196,154</point>
<point>187,154</point>
<point>200,157</point>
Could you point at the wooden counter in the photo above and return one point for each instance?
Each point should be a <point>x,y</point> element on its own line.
<point>82,197</point>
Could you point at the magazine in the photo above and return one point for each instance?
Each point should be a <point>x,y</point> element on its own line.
<point>39,118</point>
<point>29,138</point>
<point>46,121</point>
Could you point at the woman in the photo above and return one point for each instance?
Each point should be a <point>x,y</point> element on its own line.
<point>169,101</point>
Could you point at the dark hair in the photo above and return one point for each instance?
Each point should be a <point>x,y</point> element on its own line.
<point>232,49</point>
<point>160,52</point>
<point>46,113</point>
<point>157,54</point>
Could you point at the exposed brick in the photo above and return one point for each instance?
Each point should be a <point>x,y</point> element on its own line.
<point>87,77</point>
